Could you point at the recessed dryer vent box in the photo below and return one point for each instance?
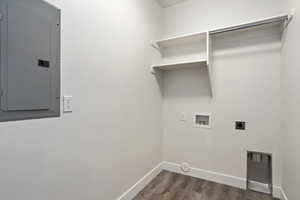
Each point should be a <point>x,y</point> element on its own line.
<point>202,120</point>
<point>259,172</point>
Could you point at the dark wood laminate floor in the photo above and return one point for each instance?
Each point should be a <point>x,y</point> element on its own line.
<point>172,186</point>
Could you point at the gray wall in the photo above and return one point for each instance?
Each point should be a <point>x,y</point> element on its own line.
<point>246,72</point>
<point>113,136</point>
<point>290,105</point>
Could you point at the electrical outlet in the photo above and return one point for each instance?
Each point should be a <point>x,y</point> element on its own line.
<point>240,125</point>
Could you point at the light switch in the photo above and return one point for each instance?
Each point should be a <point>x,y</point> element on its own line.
<point>67,104</point>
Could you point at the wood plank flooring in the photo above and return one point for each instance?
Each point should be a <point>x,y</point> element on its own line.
<point>172,186</point>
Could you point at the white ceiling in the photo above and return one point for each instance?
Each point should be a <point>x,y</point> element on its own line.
<point>167,3</point>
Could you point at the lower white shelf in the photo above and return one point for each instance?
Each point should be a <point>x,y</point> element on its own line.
<point>179,65</point>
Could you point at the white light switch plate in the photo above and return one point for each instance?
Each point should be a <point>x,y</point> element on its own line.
<point>67,104</point>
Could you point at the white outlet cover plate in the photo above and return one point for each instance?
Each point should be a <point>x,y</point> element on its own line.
<point>183,116</point>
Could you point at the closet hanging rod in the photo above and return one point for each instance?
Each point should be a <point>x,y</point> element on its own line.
<point>283,18</point>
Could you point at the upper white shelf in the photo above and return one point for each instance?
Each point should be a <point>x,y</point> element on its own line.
<point>280,19</point>
<point>182,40</point>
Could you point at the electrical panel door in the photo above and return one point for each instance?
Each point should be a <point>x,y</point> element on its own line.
<point>29,39</point>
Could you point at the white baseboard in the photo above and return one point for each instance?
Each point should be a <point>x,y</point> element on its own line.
<point>283,194</point>
<point>215,177</point>
<point>139,186</point>
<point>207,175</point>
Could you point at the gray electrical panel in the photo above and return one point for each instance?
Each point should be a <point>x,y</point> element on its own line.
<point>30,60</point>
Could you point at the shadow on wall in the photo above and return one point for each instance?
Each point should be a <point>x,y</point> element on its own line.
<point>186,83</point>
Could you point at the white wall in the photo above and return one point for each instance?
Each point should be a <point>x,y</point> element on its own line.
<point>113,136</point>
<point>247,86</point>
<point>290,104</point>
<point>202,15</point>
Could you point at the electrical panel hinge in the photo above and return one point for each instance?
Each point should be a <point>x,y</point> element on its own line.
<point>1,16</point>
<point>1,93</point>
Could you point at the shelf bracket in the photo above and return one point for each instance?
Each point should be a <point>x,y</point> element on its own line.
<point>290,18</point>
<point>152,70</point>
<point>155,46</point>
